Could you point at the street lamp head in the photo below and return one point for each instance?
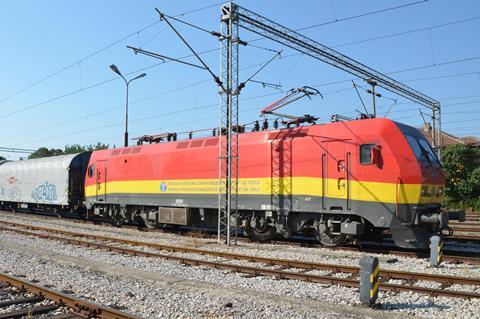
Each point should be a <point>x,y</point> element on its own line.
<point>138,77</point>
<point>115,69</point>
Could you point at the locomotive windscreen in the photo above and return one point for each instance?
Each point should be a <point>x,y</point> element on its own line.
<point>419,144</point>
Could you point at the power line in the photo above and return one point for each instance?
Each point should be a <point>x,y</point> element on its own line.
<point>15,150</point>
<point>216,49</point>
<point>207,80</point>
<point>160,63</point>
<point>73,92</point>
<point>94,53</point>
<point>408,32</point>
<point>77,62</point>
<point>180,15</point>
<point>443,76</point>
<point>121,106</point>
<point>362,15</point>
<point>206,106</point>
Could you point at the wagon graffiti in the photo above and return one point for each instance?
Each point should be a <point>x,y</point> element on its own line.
<point>10,193</point>
<point>45,191</point>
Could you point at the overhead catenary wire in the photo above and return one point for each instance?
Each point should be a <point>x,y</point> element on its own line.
<point>396,34</point>
<point>276,93</point>
<point>196,121</point>
<point>179,15</point>
<point>94,53</point>
<point>213,50</point>
<point>242,84</point>
<point>214,76</point>
<point>133,102</point>
<point>216,49</point>
<point>360,97</point>
<point>151,117</point>
<point>206,106</point>
<point>363,15</point>
<point>207,80</point>
<point>76,62</point>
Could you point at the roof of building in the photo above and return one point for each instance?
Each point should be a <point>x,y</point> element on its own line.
<point>449,139</point>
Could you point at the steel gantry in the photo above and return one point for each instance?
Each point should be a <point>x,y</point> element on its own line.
<point>228,129</point>
<point>234,16</point>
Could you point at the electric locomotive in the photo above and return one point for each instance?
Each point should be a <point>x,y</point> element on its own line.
<point>339,181</point>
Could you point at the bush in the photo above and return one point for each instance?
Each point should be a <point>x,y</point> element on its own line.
<point>461,165</point>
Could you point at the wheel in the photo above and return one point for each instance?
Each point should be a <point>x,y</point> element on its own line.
<point>261,231</point>
<point>150,224</point>
<point>115,216</point>
<point>330,240</point>
<point>116,222</point>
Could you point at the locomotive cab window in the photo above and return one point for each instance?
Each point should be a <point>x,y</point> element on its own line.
<point>366,154</point>
<point>91,169</point>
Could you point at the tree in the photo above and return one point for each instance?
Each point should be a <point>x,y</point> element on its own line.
<point>73,149</point>
<point>462,173</point>
<point>2,158</point>
<point>69,149</point>
<point>97,147</point>
<point>77,148</point>
<point>45,152</point>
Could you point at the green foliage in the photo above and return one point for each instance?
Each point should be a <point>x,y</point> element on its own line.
<point>77,148</point>
<point>97,147</point>
<point>45,152</point>
<point>69,149</point>
<point>461,164</point>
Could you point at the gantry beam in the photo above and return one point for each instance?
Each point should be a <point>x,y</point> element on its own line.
<point>267,28</point>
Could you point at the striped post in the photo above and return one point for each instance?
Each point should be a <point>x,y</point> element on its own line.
<point>369,273</point>
<point>436,250</point>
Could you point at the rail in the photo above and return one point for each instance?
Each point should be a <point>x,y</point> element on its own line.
<point>385,274</point>
<point>79,306</point>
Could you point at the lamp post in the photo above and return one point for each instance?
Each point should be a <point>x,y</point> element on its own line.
<point>116,70</point>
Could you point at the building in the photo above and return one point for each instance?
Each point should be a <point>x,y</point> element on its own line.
<point>449,139</point>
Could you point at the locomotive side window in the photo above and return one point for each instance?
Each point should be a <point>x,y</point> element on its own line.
<point>366,154</point>
<point>91,169</point>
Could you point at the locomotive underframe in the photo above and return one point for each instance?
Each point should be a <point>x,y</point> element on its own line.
<point>332,220</point>
<point>410,225</point>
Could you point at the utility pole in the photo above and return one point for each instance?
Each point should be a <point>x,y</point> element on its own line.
<point>374,95</point>
<point>127,83</point>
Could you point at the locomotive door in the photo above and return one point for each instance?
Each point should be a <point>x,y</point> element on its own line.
<point>101,179</point>
<point>336,173</point>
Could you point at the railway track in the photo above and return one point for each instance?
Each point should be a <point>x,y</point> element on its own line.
<point>449,255</point>
<point>30,299</point>
<point>466,229</point>
<point>105,243</point>
<point>469,224</point>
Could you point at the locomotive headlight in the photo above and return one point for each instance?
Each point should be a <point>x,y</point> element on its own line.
<point>440,191</point>
<point>424,190</point>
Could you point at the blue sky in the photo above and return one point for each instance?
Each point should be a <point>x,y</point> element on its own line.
<point>84,103</point>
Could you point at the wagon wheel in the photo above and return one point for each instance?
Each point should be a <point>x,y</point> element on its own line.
<point>330,240</point>
<point>261,232</point>
<point>150,224</point>
<point>115,216</point>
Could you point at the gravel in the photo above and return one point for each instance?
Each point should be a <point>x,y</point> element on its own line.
<point>316,254</point>
<point>155,288</point>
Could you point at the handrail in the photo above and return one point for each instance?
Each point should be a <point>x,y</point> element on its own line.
<point>398,181</point>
